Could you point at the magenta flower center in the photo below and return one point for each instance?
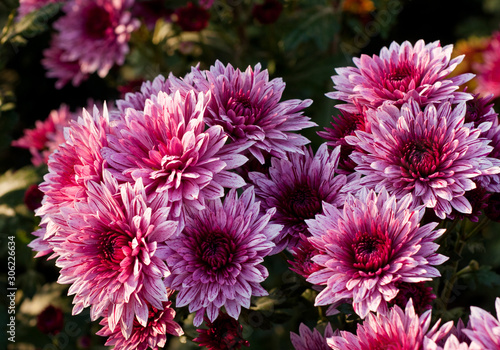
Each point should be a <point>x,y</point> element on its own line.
<point>97,23</point>
<point>110,247</point>
<point>420,158</point>
<point>371,250</point>
<point>302,202</point>
<point>216,250</point>
<point>401,78</point>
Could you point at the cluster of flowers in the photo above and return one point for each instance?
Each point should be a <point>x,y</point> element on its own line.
<point>180,192</point>
<point>103,28</point>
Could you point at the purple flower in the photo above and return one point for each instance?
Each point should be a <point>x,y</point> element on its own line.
<point>429,153</point>
<point>166,145</point>
<point>402,330</point>
<point>484,329</point>
<point>373,243</point>
<point>311,340</point>
<point>247,105</point>
<point>192,18</point>
<point>50,320</point>
<point>114,250</point>
<point>420,295</point>
<point>95,33</point>
<point>296,187</point>
<point>400,72</point>
<point>152,335</point>
<point>216,261</point>
<point>302,253</point>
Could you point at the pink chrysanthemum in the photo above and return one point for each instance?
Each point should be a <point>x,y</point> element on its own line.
<point>225,333</point>
<point>247,105</point>
<point>399,73</point>
<point>113,252</point>
<point>419,293</point>
<point>430,154</point>
<point>59,67</point>
<point>46,136</point>
<point>373,243</point>
<point>484,329</point>
<point>451,343</point>
<point>303,253</point>
<point>398,329</point>
<point>166,145</point>
<point>71,166</point>
<point>297,187</point>
<point>153,335</point>
<point>343,125</point>
<point>488,71</point>
<point>311,340</point>
<point>95,33</point>
<point>216,261</point>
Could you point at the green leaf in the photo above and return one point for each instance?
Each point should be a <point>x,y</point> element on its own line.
<point>486,277</point>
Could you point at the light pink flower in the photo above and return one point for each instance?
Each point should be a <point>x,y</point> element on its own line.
<point>297,186</point>
<point>451,343</point>
<point>153,335</point>
<point>402,330</point>
<point>311,340</point>
<point>374,242</point>
<point>95,33</point>
<point>429,153</point>
<point>114,250</point>
<point>400,72</point>
<point>217,260</point>
<point>247,105</point>
<point>167,146</point>
<point>484,329</point>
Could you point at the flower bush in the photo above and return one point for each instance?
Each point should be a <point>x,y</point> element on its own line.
<point>197,180</point>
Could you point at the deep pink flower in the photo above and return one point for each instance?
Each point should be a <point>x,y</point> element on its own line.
<point>297,187</point>
<point>166,145</point>
<point>398,329</point>
<point>267,12</point>
<point>59,67</point>
<point>73,164</point>
<point>488,71</point>
<point>303,253</point>
<point>113,252</point>
<point>192,18</point>
<point>247,105</point>
<point>373,243</point>
<point>33,197</point>
<point>484,329</point>
<point>95,33</point>
<point>429,153</point>
<point>216,261</point>
<point>420,294</point>
<point>46,136</point>
<point>398,73</point>
<point>152,335</point>
<point>343,125</point>
<point>50,320</point>
<point>225,333</point>
<point>311,340</point>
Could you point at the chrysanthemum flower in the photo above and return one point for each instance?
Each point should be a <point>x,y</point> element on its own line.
<point>301,262</point>
<point>430,154</point>
<point>46,136</point>
<point>95,33</point>
<point>488,76</point>
<point>451,343</point>
<point>296,187</point>
<point>311,340</point>
<point>484,329</point>
<point>373,243</point>
<point>247,105</point>
<point>152,335</point>
<point>61,68</point>
<point>71,166</point>
<point>402,330</point>
<point>113,252</point>
<point>419,293</point>
<point>166,145</point>
<point>400,72</point>
<point>216,261</point>
<point>344,124</point>
<point>225,333</point>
